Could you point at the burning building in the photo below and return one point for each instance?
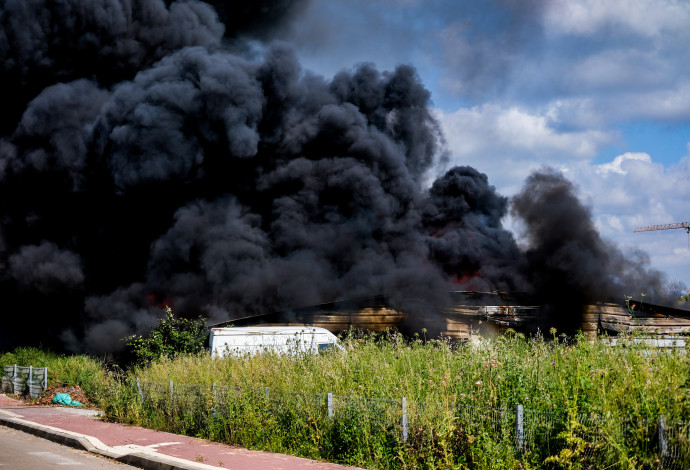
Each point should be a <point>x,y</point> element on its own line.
<point>146,156</point>
<point>469,314</point>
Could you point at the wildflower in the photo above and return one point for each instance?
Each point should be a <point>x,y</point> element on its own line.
<point>526,398</point>
<point>462,395</point>
<point>553,363</point>
<point>443,382</point>
<point>396,389</point>
<point>667,388</point>
<point>479,383</point>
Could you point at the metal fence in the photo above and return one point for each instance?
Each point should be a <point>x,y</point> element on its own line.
<point>528,432</point>
<point>20,380</point>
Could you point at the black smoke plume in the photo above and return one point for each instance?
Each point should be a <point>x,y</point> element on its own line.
<point>568,263</point>
<point>143,164</point>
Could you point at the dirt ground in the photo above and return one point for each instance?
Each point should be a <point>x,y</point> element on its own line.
<point>75,393</point>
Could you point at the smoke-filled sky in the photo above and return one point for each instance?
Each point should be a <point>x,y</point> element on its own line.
<point>238,158</point>
<point>597,89</point>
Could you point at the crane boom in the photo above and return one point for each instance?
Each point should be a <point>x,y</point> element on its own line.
<point>685,225</point>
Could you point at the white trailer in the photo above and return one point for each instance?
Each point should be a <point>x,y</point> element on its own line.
<point>249,340</point>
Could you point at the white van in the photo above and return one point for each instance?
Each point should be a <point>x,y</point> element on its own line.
<point>239,341</point>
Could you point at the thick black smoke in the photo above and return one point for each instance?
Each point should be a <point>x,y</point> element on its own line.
<point>142,164</point>
<point>462,218</point>
<point>260,19</point>
<point>44,42</point>
<point>568,263</point>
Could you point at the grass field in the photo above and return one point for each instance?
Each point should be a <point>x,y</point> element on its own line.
<point>586,404</point>
<point>598,405</point>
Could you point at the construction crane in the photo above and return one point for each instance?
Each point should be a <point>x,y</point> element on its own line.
<point>650,228</point>
<point>685,225</point>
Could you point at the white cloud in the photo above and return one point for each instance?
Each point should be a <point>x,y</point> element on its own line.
<point>492,127</point>
<point>632,191</point>
<point>509,143</point>
<point>667,104</point>
<point>626,58</point>
<point>620,163</point>
<point>647,17</point>
<point>620,66</point>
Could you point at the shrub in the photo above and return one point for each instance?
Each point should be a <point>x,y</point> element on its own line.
<point>172,336</point>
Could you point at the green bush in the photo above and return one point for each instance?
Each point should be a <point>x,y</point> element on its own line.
<point>171,337</point>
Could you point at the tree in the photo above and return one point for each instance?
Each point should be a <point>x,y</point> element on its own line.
<point>677,288</point>
<point>172,336</point>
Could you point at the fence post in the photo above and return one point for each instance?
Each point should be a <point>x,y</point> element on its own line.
<point>172,396</point>
<point>45,379</point>
<point>15,380</point>
<point>213,408</point>
<point>329,402</point>
<point>519,428</point>
<point>141,392</point>
<point>663,444</point>
<point>31,381</point>
<point>403,421</point>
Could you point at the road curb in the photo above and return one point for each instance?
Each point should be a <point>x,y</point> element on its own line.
<point>95,446</point>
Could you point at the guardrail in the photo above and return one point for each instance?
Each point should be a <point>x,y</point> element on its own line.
<point>20,379</point>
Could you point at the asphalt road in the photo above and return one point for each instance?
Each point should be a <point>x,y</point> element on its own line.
<point>22,451</point>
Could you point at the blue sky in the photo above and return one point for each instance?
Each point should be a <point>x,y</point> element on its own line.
<point>599,89</point>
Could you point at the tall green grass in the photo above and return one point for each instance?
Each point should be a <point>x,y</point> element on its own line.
<point>599,403</point>
<point>86,371</point>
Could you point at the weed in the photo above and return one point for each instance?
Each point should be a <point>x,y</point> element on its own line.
<point>586,404</point>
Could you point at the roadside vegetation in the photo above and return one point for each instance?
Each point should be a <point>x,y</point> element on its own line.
<point>173,336</point>
<point>590,404</point>
<point>596,404</point>
<point>89,373</point>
